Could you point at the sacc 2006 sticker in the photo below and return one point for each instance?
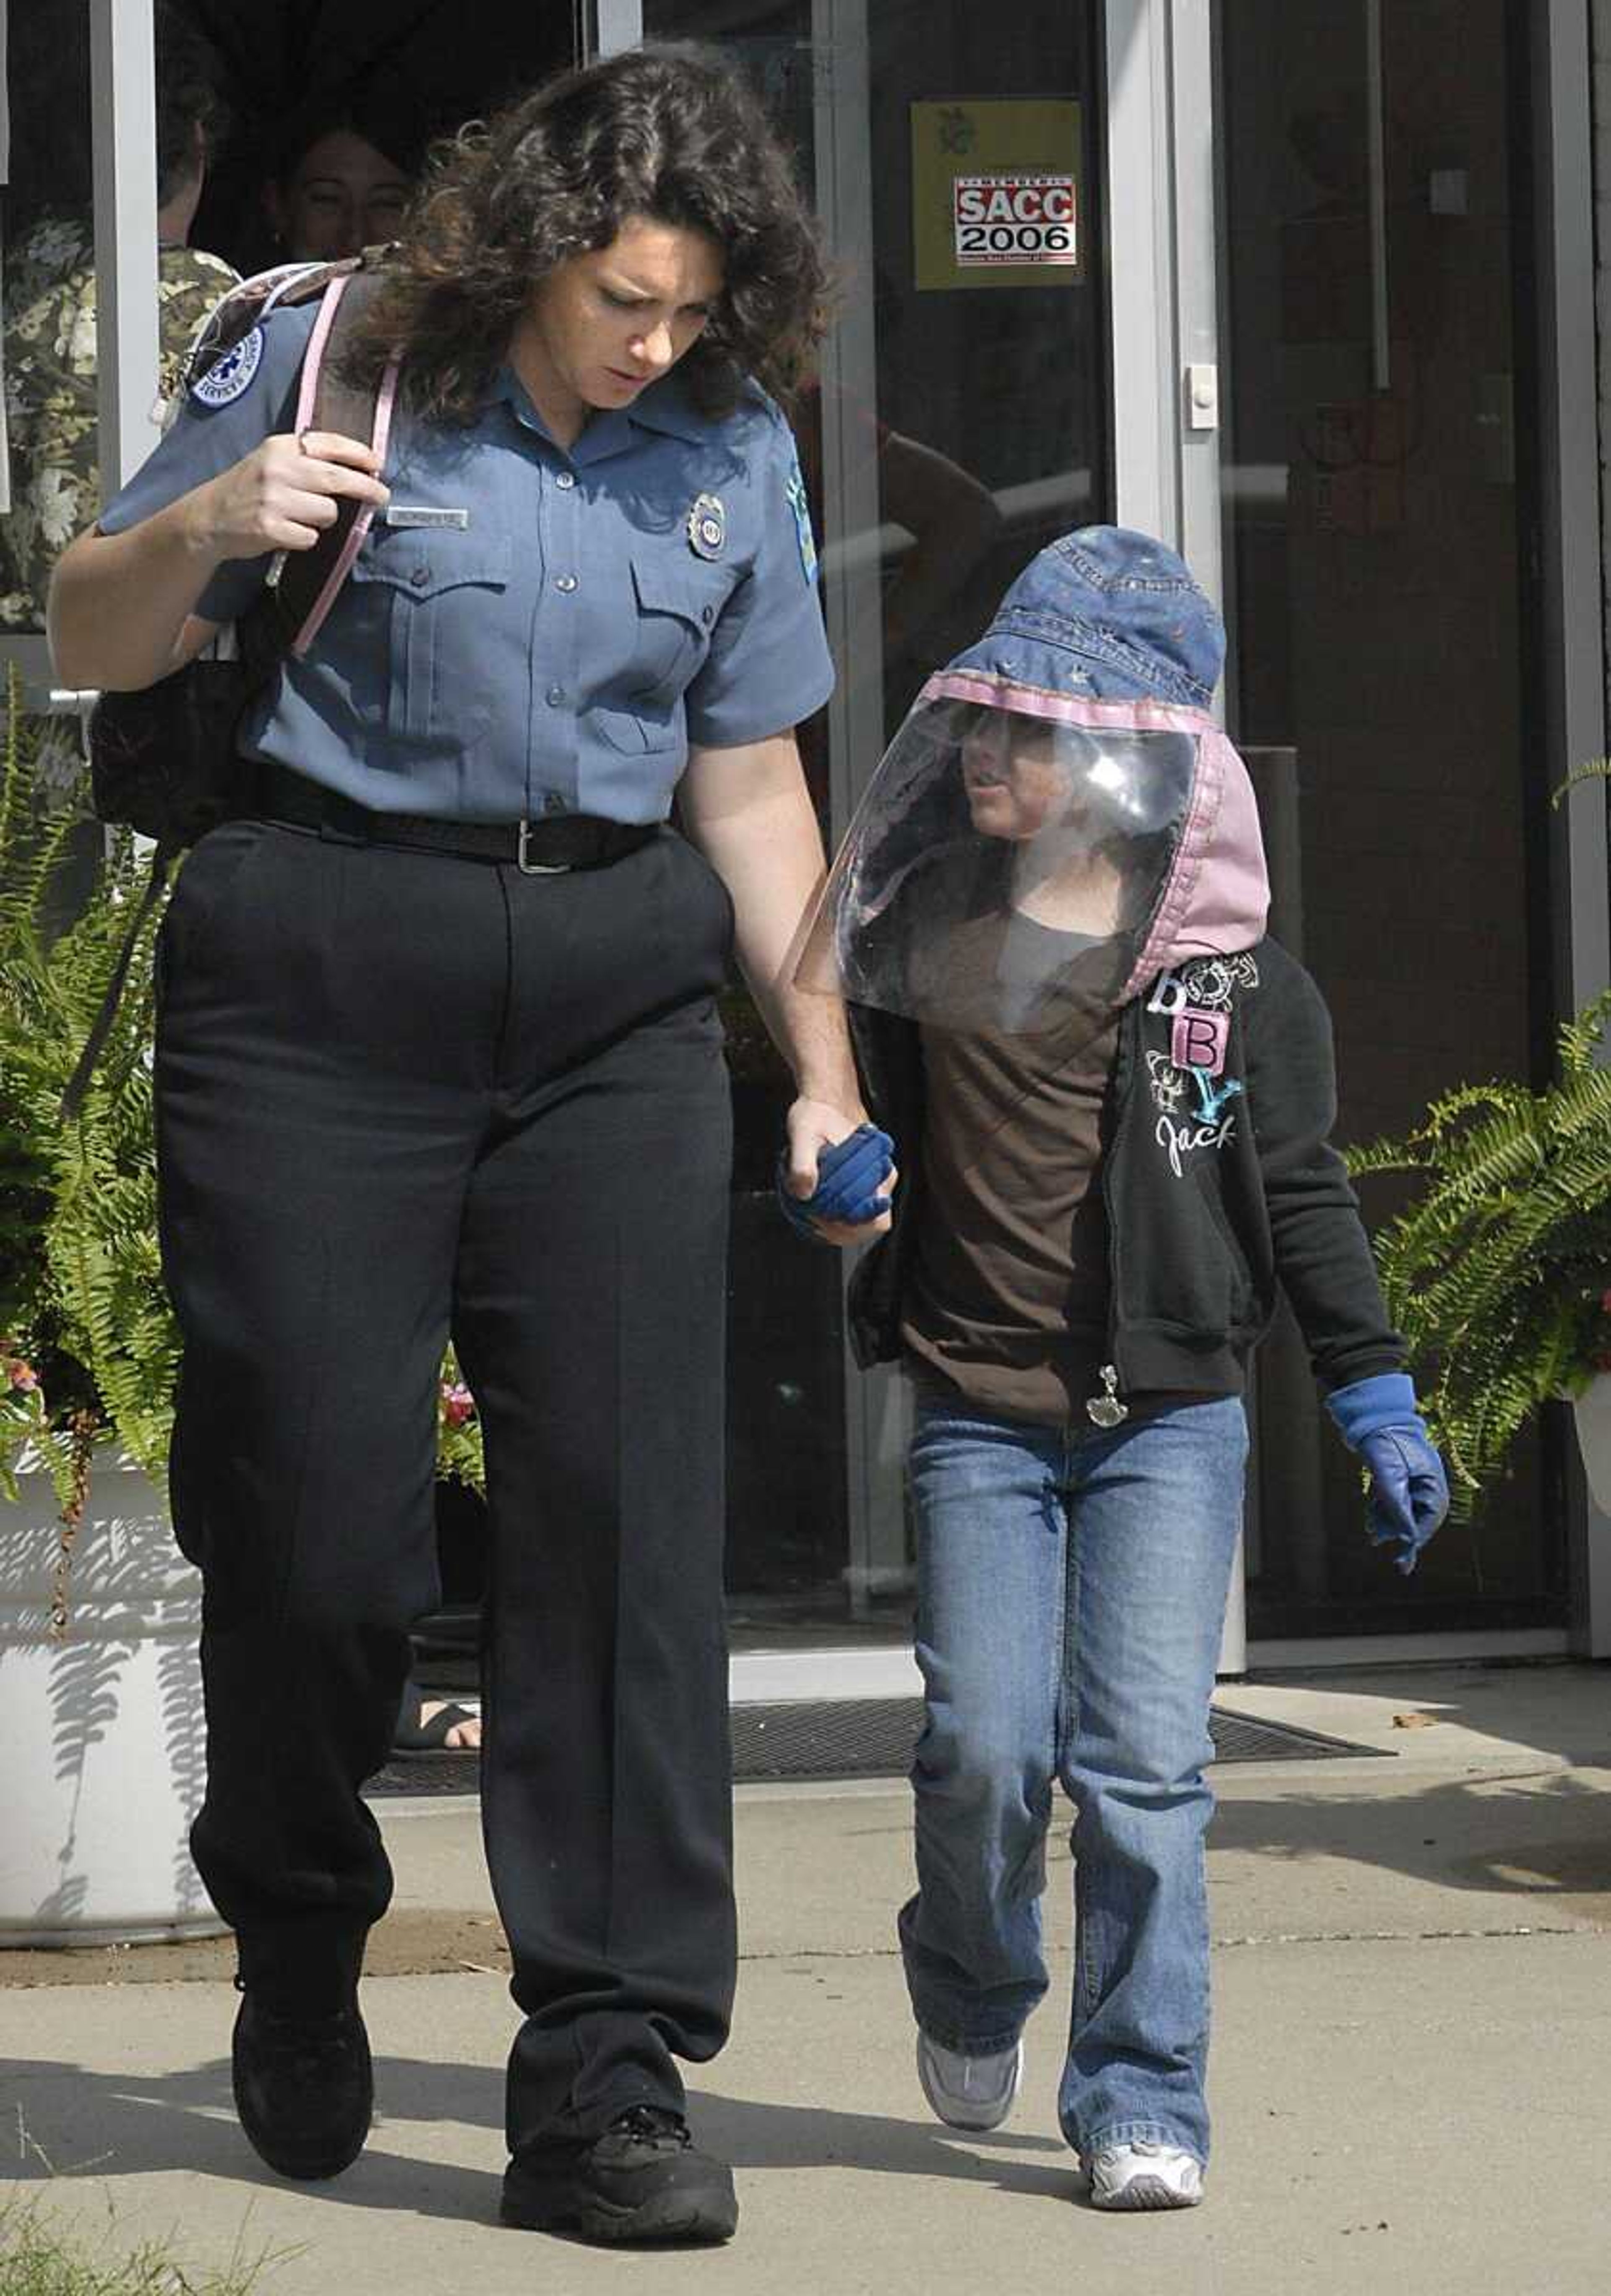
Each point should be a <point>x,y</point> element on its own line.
<point>1015,218</point>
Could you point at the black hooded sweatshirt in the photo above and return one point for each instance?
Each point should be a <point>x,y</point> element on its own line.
<point>1217,1191</point>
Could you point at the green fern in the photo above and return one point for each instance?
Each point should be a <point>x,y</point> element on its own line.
<point>1497,1275</point>
<point>82,1303</point>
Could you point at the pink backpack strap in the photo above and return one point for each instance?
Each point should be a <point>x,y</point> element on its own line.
<point>313,358</point>
<point>306,403</point>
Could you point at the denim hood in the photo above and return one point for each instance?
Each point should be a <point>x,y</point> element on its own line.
<point>1105,613</point>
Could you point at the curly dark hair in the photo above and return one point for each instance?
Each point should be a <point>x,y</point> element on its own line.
<point>672,133</point>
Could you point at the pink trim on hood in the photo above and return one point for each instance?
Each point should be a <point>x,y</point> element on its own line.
<point>1216,898</point>
<point>1066,708</point>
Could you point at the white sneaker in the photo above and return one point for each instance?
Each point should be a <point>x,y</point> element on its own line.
<point>1145,2177</point>
<point>969,2091</point>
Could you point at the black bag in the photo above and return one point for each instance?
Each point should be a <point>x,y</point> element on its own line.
<point>165,760</point>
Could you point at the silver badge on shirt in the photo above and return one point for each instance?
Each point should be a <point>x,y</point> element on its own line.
<point>423,514</point>
<point>708,526</point>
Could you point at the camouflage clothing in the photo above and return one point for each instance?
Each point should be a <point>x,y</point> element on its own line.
<point>50,393</point>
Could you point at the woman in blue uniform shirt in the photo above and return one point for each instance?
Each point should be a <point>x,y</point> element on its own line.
<point>437,1053</point>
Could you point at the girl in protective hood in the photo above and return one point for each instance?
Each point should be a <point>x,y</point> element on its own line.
<point>1112,1096</point>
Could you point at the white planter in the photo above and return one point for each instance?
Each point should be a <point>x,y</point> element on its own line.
<point>102,1731</point>
<point>1592,1412</point>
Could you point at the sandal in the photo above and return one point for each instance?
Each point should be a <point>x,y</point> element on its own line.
<point>411,1736</point>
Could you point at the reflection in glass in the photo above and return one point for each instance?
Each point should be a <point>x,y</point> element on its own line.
<point>1373,528</point>
<point>952,430</point>
<point>1004,867</point>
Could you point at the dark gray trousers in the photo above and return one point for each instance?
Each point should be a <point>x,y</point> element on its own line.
<point>401,1094</point>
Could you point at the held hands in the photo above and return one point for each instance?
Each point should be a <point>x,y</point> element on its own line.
<point>283,493</point>
<point>1408,1490</point>
<point>834,1181</point>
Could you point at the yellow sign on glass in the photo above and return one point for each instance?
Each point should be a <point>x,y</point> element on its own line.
<point>997,193</point>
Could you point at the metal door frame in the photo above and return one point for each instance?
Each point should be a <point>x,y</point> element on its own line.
<point>1572,663</point>
<point>1159,200</point>
<point>1163,327</point>
<point>1160,205</point>
<point>123,122</point>
<point>1165,304</point>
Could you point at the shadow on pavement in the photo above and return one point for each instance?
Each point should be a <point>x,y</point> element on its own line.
<point>1545,1836</point>
<point>72,2124</point>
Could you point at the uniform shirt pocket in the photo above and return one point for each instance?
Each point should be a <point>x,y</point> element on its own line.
<point>678,605</point>
<point>423,598</point>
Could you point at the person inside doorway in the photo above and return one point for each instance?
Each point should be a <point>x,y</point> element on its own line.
<point>952,523</point>
<point>50,316</point>
<point>1113,1095</point>
<point>439,1055</point>
<point>52,337</point>
<point>334,190</point>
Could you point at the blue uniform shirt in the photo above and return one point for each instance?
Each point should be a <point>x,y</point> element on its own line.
<point>559,644</point>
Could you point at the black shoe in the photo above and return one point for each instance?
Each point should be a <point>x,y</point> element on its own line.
<point>304,2088</point>
<point>643,2179</point>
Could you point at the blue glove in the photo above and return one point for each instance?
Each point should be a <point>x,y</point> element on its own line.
<point>849,1175</point>
<point>1408,1490</point>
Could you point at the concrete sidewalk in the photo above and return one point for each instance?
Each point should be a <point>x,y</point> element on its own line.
<point>1411,2078</point>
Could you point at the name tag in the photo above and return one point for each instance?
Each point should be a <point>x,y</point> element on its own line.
<point>423,514</point>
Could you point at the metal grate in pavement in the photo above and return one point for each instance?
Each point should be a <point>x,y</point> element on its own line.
<point>869,1738</point>
<point>427,1774</point>
<point>1239,1738</point>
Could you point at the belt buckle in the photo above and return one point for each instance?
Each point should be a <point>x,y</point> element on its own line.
<point>536,868</point>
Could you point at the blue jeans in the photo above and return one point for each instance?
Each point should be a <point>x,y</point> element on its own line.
<point>1072,1588</point>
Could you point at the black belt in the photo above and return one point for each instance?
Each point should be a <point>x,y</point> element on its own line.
<point>560,841</point>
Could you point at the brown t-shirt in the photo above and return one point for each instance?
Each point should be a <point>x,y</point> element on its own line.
<point>1005,1304</point>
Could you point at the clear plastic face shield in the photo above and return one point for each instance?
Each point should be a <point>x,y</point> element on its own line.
<point>1005,864</point>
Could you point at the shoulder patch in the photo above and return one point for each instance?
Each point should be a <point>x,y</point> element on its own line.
<point>240,312</point>
<point>802,508</point>
<point>223,383</point>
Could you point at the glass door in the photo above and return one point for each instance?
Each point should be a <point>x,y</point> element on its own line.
<point>1379,494</point>
<point>1050,219</point>
<point>82,108</point>
<point>959,421</point>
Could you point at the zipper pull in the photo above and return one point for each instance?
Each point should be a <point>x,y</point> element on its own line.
<point>1106,1410</point>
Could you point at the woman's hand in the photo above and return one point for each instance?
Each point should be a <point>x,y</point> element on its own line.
<point>815,1127</point>
<point>122,606</point>
<point>749,812</point>
<point>283,493</point>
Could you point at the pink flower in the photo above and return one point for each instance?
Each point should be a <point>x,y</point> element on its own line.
<point>22,1375</point>
<point>458,1404</point>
